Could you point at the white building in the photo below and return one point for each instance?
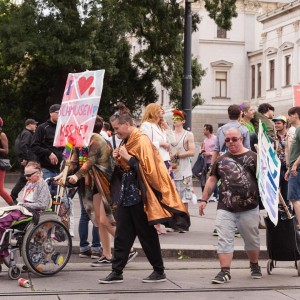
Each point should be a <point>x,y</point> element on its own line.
<point>274,69</point>
<point>233,61</point>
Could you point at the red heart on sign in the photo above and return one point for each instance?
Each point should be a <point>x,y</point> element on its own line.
<point>84,84</point>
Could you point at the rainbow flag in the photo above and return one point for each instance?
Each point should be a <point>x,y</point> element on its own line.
<point>68,149</point>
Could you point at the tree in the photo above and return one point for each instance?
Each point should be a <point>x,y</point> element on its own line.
<point>222,12</point>
<point>44,40</point>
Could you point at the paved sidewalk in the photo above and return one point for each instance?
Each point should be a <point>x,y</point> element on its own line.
<point>197,243</point>
<point>186,279</point>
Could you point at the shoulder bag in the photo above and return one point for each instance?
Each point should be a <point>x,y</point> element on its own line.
<point>5,164</point>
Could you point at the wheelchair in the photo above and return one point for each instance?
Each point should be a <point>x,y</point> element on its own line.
<point>42,248</point>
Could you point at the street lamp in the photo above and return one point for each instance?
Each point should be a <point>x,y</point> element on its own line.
<point>187,67</point>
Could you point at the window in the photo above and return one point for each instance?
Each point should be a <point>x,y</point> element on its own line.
<point>258,80</point>
<point>253,82</point>
<point>221,33</point>
<point>272,73</point>
<point>221,85</point>
<point>288,69</point>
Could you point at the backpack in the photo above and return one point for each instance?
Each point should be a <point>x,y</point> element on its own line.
<point>199,167</point>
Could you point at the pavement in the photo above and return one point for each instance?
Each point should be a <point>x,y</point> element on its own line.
<point>190,261</point>
<point>197,243</point>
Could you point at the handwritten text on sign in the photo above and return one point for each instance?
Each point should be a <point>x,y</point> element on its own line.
<point>268,172</point>
<point>79,108</point>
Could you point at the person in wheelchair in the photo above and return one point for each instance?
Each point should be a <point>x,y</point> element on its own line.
<point>36,198</point>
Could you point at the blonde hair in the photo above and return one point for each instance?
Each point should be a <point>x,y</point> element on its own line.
<point>34,165</point>
<point>151,113</point>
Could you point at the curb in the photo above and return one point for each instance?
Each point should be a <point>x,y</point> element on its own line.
<point>202,252</point>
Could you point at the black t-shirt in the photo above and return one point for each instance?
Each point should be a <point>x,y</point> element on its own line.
<point>238,190</point>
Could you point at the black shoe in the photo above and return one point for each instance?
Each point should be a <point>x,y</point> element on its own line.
<point>255,271</point>
<point>222,277</point>
<point>132,255</point>
<point>113,277</point>
<point>85,254</point>
<point>102,261</point>
<point>155,277</point>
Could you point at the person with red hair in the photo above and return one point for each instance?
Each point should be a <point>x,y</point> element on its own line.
<point>3,154</point>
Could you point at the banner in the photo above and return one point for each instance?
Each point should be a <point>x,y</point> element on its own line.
<point>79,108</point>
<point>296,91</point>
<point>268,173</point>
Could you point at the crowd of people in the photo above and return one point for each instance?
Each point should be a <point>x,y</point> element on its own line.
<point>132,179</point>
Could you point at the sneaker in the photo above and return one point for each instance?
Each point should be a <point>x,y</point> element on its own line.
<point>213,199</point>
<point>222,277</point>
<point>113,277</point>
<point>155,277</point>
<point>85,254</point>
<point>168,229</point>
<point>237,234</point>
<point>102,261</point>
<point>182,231</point>
<point>255,271</point>
<point>215,232</point>
<point>96,254</point>
<point>132,255</point>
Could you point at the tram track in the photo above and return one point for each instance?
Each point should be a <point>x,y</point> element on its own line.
<point>148,291</point>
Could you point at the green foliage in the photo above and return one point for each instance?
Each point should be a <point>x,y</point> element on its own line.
<point>41,41</point>
<point>222,12</point>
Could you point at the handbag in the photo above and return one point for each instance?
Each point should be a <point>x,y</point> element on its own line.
<point>5,164</point>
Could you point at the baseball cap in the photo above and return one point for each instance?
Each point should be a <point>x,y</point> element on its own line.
<point>280,118</point>
<point>30,121</point>
<point>178,114</point>
<point>54,108</point>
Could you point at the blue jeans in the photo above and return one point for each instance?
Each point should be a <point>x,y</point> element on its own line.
<point>83,230</point>
<point>52,186</point>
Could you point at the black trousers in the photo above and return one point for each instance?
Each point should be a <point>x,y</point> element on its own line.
<point>19,185</point>
<point>131,222</point>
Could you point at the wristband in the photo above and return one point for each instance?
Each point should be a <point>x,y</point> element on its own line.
<point>203,201</point>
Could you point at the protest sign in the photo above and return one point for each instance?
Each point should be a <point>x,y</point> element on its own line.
<point>296,98</point>
<point>268,172</point>
<point>79,108</point>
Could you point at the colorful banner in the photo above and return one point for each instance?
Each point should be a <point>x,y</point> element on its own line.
<point>296,90</point>
<point>79,108</point>
<point>268,172</point>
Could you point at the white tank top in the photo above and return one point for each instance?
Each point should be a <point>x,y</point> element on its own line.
<point>184,165</point>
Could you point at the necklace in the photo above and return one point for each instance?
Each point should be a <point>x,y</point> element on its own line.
<point>82,155</point>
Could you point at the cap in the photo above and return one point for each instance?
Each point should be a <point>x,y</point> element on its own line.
<point>30,121</point>
<point>178,113</point>
<point>280,118</point>
<point>54,108</point>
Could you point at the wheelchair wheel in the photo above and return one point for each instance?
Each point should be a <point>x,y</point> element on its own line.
<point>46,247</point>
<point>14,272</point>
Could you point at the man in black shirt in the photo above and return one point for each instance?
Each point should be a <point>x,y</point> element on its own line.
<point>24,153</point>
<point>237,205</point>
<point>48,156</point>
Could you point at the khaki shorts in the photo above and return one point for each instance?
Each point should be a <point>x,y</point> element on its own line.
<point>245,222</point>
<point>184,189</point>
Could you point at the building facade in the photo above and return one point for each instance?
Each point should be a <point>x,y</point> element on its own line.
<point>233,60</point>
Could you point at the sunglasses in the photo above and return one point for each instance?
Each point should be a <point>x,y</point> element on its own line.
<point>177,118</point>
<point>29,175</point>
<point>233,139</point>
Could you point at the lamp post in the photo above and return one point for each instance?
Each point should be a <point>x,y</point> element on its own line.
<point>187,67</point>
